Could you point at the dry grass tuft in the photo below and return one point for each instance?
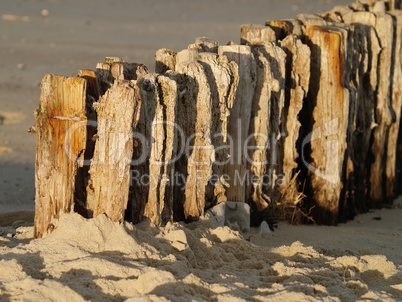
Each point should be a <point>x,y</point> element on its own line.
<point>289,205</point>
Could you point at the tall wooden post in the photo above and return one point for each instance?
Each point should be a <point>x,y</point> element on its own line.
<point>223,80</point>
<point>152,179</point>
<point>330,110</point>
<point>297,85</point>
<point>118,114</point>
<point>61,142</point>
<point>239,119</point>
<point>195,121</point>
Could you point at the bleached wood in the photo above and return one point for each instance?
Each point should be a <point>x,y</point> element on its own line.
<point>267,106</point>
<point>223,79</point>
<point>152,196</point>
<point>186,55</point>
<point>118,114</point>
<point>205,44</point>
<point>297,85</point>
<point>194,118</point>
<point>165,59</point>
<point>395,5</point>
<point>255,34</point>
<point>107,73</point>
<point>239,119</point>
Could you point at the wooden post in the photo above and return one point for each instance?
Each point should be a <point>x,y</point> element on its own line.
<point>205,44</point>
<point>61,141</point>
<point>283,28</point>
<point>108,72</point>
<point>195,121</point>
<point>81,204</point>
<point>118,114</point>
<point>223,79</point>
<point>395,5</point>
<point>330,112</point>
<point>165,60</point>
<point>186,55</point>
<point>251,34</point>
<point>382,23</point>
<point>155,148</point>
<point>396,104</point>
<point>239,119</point>
<point>264,133</point>
<point>297,85</point>
<point>364,53</point>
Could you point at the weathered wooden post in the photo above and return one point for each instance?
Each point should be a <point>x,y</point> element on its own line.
<point>195,121</point>
<point>396,104</point>
<point>152,179</point>
<point>382,24</point>
<point>239,120</point>
<point>223,79</point>
<point>252,34</point>
<point>60,143</point>
<point>284,28</point>
<point>116,69</point>
<point>118,114</point>
<point>330,112</point>
<point>165,59</point>
<point>297,83</point>
<point>395,5</point>
<point>268,103</point>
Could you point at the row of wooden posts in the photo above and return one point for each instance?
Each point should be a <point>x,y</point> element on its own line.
<point>315,100</point>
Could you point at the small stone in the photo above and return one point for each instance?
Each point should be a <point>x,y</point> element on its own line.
<point>263,228</point>
<point>44,13</point>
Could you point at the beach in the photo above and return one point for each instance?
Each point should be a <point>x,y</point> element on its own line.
<point>101,260</point>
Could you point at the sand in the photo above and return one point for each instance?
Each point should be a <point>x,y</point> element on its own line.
<point>101,260</point>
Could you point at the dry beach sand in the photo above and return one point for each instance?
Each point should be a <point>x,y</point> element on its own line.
<point>103,261</point>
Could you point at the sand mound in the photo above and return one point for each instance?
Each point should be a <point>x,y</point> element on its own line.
<point>105,261</point>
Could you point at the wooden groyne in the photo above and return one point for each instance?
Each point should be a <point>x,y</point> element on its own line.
<point>301,121</point>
